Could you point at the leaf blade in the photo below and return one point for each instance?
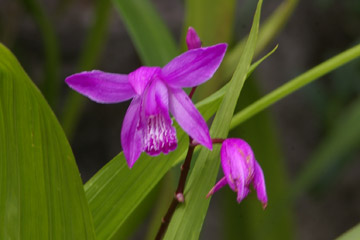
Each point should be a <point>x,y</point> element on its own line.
<point>296,83</point>
<point>188,218</point>
<point>41,192</point>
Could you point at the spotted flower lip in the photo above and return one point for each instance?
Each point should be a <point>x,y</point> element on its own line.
<point>155,91</point>
<point>240,169</point>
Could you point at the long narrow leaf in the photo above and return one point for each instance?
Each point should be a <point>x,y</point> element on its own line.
<point>253,222</point>
<point>41,193</point>
<point>188,217</point>
<point>352,234</point>
<point>296,83</point>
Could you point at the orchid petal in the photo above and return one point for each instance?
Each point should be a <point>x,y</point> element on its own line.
<point>242,190</point>
<point>130,135</point>
<point>221,183</point>
<point>156,99</point>
<point>192,39</point>
<point>158,133</point>
<point>259,185</point>
<point>102,87</point>
<point>193,67</point>
<point>188,117</point>
<point>227,154</point>
<point>140,78</point>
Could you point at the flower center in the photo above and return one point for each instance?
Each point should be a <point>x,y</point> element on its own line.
<point>159,135</point>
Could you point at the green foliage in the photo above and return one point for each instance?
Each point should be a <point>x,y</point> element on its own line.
<point>352,234</point>
<point>41,193</point>
<point>253,222</point>
<point>296,83</point>
<point>188,218</point>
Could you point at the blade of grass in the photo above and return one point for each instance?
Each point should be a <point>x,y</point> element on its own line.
<point>252,221</point>
<point>352,234</point>
<point>295,84</point>
<point>168,184</point>
<point>188,218</point>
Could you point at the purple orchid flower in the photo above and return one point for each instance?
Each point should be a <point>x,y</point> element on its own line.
<point>147,126</point>
<point>240,169</point>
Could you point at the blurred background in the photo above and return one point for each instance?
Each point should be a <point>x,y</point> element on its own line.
<point>309,151</point>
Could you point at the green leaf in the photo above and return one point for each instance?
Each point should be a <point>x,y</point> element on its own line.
<point>276,222</point>
<point>41,193</point>
<point>151,37</point>
<point>296,83</point>
<point>188,217</point>
<point>139,216</point>
<point>352,234</point>
<point>165,196</point>
<point>343,138</point>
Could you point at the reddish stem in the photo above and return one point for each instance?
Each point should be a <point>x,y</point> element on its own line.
<point>179,194</point>
<point>217,140</point>
<point>192,92</point>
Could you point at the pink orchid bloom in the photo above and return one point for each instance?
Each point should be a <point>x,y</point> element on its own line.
<point>241,169</point>
<point>147,126</point>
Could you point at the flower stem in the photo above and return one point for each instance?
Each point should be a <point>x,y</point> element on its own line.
<point>179,194</point>
<point>184,173</point>
<point>217,140</point>
<point>192,92</point>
